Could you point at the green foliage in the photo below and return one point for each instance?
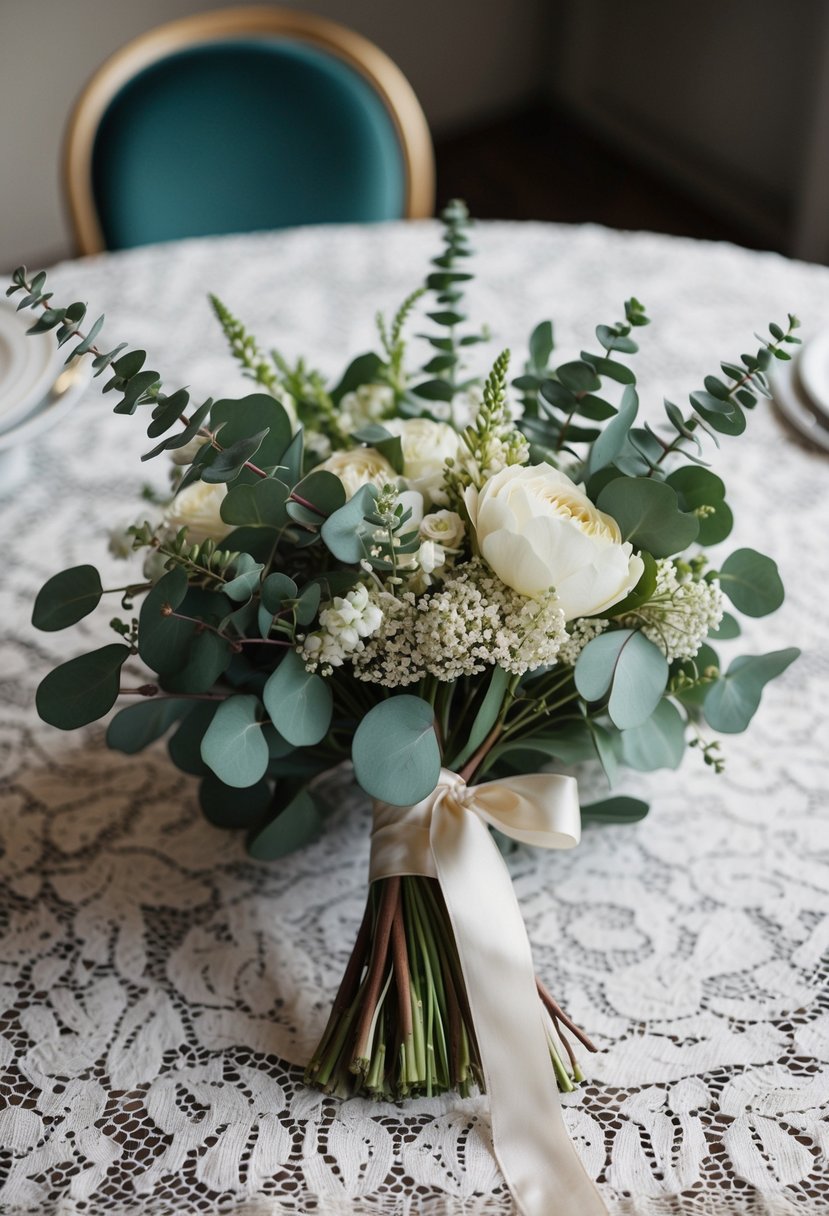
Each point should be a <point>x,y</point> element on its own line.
<point>298,823</point>
<point>648,514</point>
<point>447,283</point>
<point>226,806</point>
<point>137,726</point>
<point>67,598</point>
<point>234,746</point>
<point>557,402</point>
<point>344,532</point>
<point>751,582</point>
<point>299,703</point>
<point>184,745</point>
<point>618,810</point>
<point>395,751</point>
<point>258,505</point>
<point>625,669</point>
<point>82,690</point>
<point>732,701</point>
<point>658,742</point>
<point>485,718</point>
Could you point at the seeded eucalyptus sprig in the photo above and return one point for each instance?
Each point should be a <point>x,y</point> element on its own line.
<point>447,282</point>
<point>558,401</point>
<point>719,406</point>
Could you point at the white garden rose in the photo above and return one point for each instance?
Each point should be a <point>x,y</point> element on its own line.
<point>427,445</point>
<point>366,404</point>
<point>537,530</point>
<point>444,527</point>
<point>197,508</point>
<point>360,467</point>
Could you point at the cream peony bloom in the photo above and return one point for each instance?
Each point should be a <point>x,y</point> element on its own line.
<point>360,467</point>
<point>427,445</point>
<point>197,508</point>
<point>537,530</point>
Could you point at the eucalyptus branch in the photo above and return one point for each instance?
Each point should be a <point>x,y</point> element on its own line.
<point>720,406</point>
<point>137,385</point>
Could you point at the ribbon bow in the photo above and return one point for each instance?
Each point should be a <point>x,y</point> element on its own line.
<point>445,837</point>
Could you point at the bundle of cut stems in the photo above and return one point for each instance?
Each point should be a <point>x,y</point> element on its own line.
<point>401,1024</point>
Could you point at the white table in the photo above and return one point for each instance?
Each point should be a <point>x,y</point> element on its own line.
<point>151,975</point>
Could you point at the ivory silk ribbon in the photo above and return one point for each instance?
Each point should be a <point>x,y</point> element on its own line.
<point>445,837</point>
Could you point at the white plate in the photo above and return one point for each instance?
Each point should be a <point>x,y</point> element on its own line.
<point>796,407</point>
<point>813,370</point>
<point>29,364</point>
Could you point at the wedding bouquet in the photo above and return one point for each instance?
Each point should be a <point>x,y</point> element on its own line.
<point>458,584</point>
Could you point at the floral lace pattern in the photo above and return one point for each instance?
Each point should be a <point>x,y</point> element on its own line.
<point>154,980</point>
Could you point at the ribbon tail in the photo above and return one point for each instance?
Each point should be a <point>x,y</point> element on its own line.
<point>539,1161</point>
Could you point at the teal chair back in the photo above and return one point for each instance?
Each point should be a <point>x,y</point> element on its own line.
<point>257,130</point>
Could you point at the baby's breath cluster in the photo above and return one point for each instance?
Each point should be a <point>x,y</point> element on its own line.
<point>678,616</point>
<point>579,633</point>
<point>472,622</point>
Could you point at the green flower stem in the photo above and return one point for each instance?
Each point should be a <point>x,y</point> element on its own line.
<point>401,1023</point>
<point>563,1078</point>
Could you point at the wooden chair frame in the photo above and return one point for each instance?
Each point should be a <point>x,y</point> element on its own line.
<point>353,49</point>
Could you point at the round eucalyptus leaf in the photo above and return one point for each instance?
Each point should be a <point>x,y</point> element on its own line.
<point>67,598</point>
<point>226,806</point>
<point>751,582</point>
<point>82,690</point>
<point>659,742</point>
<point>625,665</point>
<point>308,603</point>
<point>245,578</point>
<point>732,701</point>
<point>234,746</point>
<point>578,377</point>
<point>620,809</point>
<point>204,657</point>
<point>395,751</point>
<point>261,504</point>
<point>297,825</point>
<point>298,702</point>
<point>276,588</point>
<point>728,628</point>
<point>648,515</point>
<point>612,439</point>
<point>342,531</point>
<point>137,726</point>
<point>249,416</point>
<point>163,639</point>
<point>324,490</point>
<point>259,541</point>
<point>184,745</point>
<point>698,487</point>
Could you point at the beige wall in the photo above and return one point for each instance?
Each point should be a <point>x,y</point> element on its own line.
<point>465,58</point>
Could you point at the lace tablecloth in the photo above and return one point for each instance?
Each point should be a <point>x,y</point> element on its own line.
<point>153,978</point>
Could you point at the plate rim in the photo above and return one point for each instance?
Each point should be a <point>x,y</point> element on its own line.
<point>40,381</point>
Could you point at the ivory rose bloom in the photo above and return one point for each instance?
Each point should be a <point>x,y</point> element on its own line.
<point>427,445</point>
<point>360,467</point>
<point>197,508</point>
<point>444,527</point>
<point>537,530</point>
